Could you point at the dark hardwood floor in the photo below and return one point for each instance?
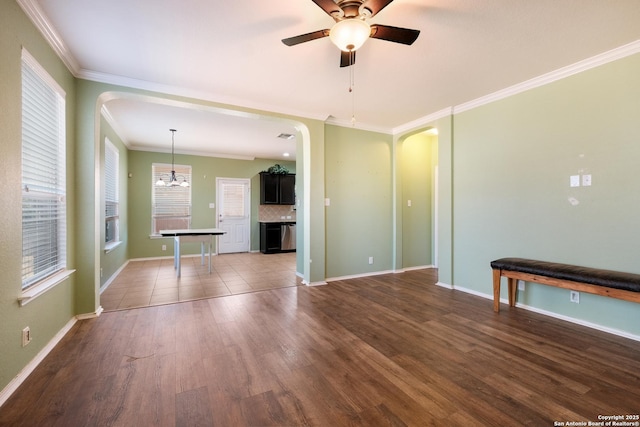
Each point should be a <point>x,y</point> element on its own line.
<point>391,350</point>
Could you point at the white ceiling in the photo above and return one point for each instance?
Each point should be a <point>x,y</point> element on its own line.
<point>230,52</point>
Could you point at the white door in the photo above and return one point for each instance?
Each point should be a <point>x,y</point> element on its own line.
<point>234,202</point>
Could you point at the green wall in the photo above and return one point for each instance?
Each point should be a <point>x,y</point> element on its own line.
<point>358,184</point>
<point>417,172</point>
<point>111,262</point>
<point>445,199</point>
<point>429,174</point>
<point>512,162</point>
<point>50,312</point>
<point>204,172</point>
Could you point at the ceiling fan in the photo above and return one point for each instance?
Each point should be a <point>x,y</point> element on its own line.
<point>351,29</point>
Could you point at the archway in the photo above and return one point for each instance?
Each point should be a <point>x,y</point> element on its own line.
<point>302,160</point>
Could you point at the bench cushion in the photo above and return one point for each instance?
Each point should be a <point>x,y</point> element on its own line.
<point>593,276</point>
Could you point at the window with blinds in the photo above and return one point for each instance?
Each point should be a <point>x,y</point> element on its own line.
<point>44,222</point>
<point>234,200</point>
<point>111,193</point>
<point>171,205</point>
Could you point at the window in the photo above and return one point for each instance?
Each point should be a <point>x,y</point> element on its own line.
<point>171,206</point>
<point>234,199</point>
<point>111,194</point>
<point>44,222</point>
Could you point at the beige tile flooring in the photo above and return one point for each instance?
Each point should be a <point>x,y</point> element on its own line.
<point>154,282</point>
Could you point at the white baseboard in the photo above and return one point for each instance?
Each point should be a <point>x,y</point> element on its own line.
<point>580,322</point>
<point>357,276</point>
<point>304,282</point>
<point>377,273</point>
<point>113,276</point>
<point>33,364</point>
<point>419,267</point>
<point>93,315</point>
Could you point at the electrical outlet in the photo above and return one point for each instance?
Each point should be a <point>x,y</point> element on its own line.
<point>26,336</point>
<point>370,260</point>
<point>521,285</point>
<point>164,247</point>
<point>574,296</point>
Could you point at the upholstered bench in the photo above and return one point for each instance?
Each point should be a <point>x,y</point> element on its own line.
<point>608,283</point>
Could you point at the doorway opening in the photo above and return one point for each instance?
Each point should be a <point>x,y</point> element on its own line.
<point>419,202</point>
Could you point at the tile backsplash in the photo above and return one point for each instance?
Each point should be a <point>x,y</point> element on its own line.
<point>274,213</point>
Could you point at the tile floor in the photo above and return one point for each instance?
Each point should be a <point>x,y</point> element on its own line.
<point>154,282</point>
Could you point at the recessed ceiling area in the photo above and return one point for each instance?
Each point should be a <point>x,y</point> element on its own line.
<point>200,130</point>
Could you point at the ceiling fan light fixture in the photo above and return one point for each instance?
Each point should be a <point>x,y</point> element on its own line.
<point>350,34</point>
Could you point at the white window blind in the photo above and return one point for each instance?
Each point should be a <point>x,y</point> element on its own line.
<point>234,199</point>
<point>111,191</point>
<point>171,206</point>
<point>44,222</point>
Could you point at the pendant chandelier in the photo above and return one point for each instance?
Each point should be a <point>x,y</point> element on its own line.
<point>173,179</point>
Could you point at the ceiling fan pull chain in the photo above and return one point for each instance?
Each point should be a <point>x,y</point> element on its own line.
<point>353,97</point>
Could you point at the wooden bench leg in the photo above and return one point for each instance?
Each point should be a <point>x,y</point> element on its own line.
<point>496,290</point>
<point>513,288</point>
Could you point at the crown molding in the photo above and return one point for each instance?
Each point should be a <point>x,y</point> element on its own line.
<point>578,67</point>
<point>39,19</point>
<point>192,153</point>
<point>114,125</point>
<point>423,121</point>
<point>559,74</point>
<point>331,120</point>
<point>235,102</point>
<point>132,83</point>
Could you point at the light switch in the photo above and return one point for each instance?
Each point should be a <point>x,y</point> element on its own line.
<point>586,180</point>
<point>574,181</point>
<point>327,202</point>
<point>212,205</point>
<point>409,203</point>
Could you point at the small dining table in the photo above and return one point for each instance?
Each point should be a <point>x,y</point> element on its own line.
<point>202,235</point>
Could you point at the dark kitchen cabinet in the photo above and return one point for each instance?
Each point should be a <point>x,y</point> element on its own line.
<point>277,189</point>
<point>287,189</point>
<point>270,237</point>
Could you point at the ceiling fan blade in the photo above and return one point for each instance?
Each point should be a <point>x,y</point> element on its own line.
<point>291,41</point>
<point>394,34</point>
<point>347,59</point>
<point>330,7</point>
<point>375,6</point>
